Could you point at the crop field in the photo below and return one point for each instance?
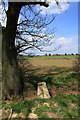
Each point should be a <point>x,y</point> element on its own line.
<point>49,61</point>
<point>61,77</point>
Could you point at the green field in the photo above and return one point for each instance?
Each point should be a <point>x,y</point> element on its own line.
<point>60,74</point>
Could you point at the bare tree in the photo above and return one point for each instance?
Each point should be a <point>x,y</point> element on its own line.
<point>32,31</point>
<point>12,83</point>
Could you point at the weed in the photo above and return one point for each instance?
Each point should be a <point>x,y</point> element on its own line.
<point>24,107</point>
<point>41,111</point>
<point>25,111</point>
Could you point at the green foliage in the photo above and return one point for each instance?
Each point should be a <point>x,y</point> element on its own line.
<point>24,107</point>
<point>64,98</point>
<point>64,102</point>
<point>60,80</point>
<point>56,56</point>
<point>25,111</point>
<point>41,100</point>
<point>6,105</point>
<point>62,109</point>
<point>44,116</point>
<point>41,111</point>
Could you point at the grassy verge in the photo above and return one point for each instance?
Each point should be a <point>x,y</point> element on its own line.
<point>54,56</point>
<point>55,77</point>
<point>23,107</point>
<point>60,80</point>
<point>59,106</point>
<point>63,106</point>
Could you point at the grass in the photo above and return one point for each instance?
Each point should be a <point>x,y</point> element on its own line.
<point>56,80</point>
<point>63,106</point>
<point>41,112</point>
<point>55,56</point>
<point>59,105</point>
<point>50,61</point>
<point>20,107</point>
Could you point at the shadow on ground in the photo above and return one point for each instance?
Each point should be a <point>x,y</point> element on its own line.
<point>58,79</point>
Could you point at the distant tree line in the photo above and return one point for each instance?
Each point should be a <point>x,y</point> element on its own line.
<point>33,55</point>
<point>59,54</point>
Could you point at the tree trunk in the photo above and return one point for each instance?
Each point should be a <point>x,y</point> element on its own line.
<point>11,79</point>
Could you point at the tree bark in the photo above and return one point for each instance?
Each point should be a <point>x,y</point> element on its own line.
<point>12,84</point>
<point>11,79</point>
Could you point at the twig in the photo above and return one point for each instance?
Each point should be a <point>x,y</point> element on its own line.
<point>10,115</point>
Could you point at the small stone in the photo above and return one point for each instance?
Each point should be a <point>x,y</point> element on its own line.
<point>21,115</point>
<point>42,91</point>
<point>14,115</point>
<point>47,104</point>
<point>33,109</point>
<point>32,115</point>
